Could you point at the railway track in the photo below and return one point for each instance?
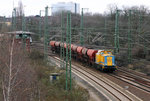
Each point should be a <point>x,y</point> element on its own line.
<point>110,89</point>
<point>140,76</point>
<point>122,69</point>
<point>133,79</point>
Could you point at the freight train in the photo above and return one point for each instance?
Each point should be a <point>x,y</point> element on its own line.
<point>100,59</point>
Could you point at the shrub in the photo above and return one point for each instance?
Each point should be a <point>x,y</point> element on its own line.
<point>148,58</point>
<point>121,58</point>
<point>36,55</point>
<point>138,52</point>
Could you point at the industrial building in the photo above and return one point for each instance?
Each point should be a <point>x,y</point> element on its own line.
<point>65,6</point>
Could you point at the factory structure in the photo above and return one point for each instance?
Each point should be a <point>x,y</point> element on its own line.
<point>65,6</point>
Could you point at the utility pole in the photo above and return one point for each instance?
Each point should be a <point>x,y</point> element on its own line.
<point>117,32</point>
<point>23,23</point>
<point>62,40</point>
<point>23,29</point>
<point>14,19</point>
<point>63,50</point>
<point>68,48</point>
<point>139,32</point>
<point>45,34</point>
<point>129,37</point>
<point>67,52</point>
<point>139,29</point>
<point>81,26</point>
<point>105,32</point>
<point>40,25</point>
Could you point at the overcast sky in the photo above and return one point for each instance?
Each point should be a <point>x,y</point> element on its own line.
<point>32,7</point>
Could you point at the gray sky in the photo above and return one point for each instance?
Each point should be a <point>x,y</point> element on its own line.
<point>32,7</point>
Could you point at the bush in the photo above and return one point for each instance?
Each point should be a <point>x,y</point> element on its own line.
<point>148,58</point>
<point>121,58</point>
<point>36,55</point>
<point>141,66</point>
<point>138,52</point>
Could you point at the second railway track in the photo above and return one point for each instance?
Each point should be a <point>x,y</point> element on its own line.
<point>133,79</point>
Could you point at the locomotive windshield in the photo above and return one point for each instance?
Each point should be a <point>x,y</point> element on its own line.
<point>109,53</point>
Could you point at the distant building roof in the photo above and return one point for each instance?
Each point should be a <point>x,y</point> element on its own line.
<point>20,32</point>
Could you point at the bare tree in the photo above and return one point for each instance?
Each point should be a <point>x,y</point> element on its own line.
<point>17,75</point>
<point>20,9</point>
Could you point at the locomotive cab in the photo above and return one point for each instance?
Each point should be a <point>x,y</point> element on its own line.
<point>105,60</point>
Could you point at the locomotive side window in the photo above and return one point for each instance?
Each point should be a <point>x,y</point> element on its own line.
<point>109,53</point>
